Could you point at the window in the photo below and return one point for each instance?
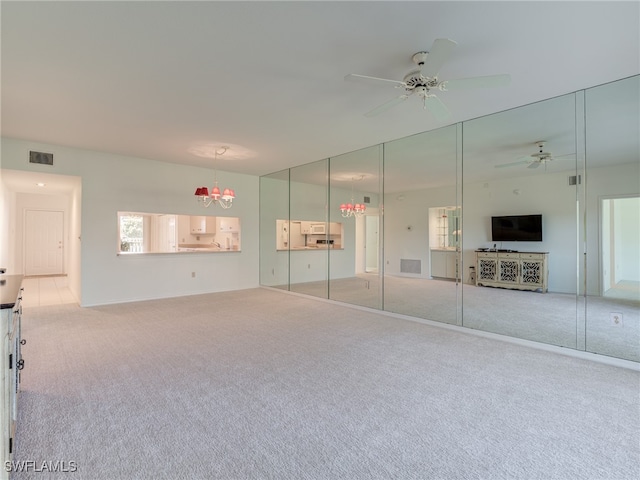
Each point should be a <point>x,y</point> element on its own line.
<point>131,232</point>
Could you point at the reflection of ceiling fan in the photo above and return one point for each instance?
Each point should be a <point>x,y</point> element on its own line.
<point>535,159</point>
<point>425,79</point>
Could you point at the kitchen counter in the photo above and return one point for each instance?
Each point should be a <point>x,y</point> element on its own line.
<point>204,247</point>
<point>312,247</point>
<point>189,247</point>
<point>9,288</point>
<point>182,248</point>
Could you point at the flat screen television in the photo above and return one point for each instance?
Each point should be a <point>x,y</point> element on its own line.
<point>516,228</point>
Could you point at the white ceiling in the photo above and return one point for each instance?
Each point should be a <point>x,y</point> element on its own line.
<point>154,79</point>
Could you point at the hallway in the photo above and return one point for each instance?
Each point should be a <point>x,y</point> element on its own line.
<point>41,291</point>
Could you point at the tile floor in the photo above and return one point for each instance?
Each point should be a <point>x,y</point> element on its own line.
<point>40,291</point>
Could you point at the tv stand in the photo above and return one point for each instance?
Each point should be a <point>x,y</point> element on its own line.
<point>513,270</point>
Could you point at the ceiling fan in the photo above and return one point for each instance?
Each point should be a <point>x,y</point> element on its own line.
<point>423,81</point>
<point>535,159</point>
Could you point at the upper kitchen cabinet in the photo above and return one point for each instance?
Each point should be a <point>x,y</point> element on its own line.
<point>203,225</point>
<point>228,224</point>
<point>305,228</point>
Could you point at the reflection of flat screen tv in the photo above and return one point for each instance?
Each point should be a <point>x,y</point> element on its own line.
<point>516,228</point>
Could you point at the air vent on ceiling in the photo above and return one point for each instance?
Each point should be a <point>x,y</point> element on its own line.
<point>41,158</point>
<point>574,180</point>
<point>367,200</point>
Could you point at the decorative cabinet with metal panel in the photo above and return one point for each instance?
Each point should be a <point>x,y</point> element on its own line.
<point>11,363</point>
<point>515,270</point>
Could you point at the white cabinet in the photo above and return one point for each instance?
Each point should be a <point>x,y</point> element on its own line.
<point>184,228</point>
<point>335,228</point>
<point>515,270</point>
<point>305,228</point>
<point>444,264</point>
<point>228,224</point>
<point>203,225</point>
<point>11,363</point>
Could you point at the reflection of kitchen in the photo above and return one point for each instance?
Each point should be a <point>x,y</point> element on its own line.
<point>206,233</point>
<point>308,235</point>
<point>444,240</point>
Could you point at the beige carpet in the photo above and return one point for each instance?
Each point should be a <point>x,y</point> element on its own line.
<point>551,318</point>
<point>261,384</point>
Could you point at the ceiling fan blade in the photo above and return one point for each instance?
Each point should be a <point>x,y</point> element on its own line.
<point>437,108</point>
<point>534,165</point>
<point>558,157</point>
<point>439,53</point>
<point>386,106</point>
<point>353,77</point>
<point>477,82</point>
<point>512,164</point>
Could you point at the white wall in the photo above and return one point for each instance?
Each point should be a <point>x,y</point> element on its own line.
<point>546,194</point>
<point>7,205</point>
<point>74,244</point>
<point>407,229</point>
<point>112,183</point>
<point>274,205</point>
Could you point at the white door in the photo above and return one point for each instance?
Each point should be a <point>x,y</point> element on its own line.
<point>371,243</point>
<point>43,240</point>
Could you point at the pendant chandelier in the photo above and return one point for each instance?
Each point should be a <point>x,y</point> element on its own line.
<point>224,199</point>
<point>352,209</point>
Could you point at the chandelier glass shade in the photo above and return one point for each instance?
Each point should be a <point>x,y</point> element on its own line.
<point>352,209</point>
<point>224,199</point>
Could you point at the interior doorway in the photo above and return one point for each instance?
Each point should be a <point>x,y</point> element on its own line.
<point>620,257</point>
<point>43,192</point>
<point>43,242</point>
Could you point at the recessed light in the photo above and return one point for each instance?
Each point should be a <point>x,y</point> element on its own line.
<point>40,184</point>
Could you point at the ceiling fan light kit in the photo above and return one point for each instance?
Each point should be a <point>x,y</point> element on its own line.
<point>422,81</point>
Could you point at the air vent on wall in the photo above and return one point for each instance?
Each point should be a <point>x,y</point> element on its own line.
<point>367,200</point>
<point>410,266</point>
<point>41,158</point>
<point>574,180</point>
